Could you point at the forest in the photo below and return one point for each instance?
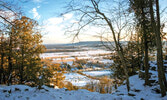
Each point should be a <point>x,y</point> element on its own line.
<point>130,56</point>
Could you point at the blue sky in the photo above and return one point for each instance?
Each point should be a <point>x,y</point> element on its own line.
<point>45,8</point>
<point>47,12</point>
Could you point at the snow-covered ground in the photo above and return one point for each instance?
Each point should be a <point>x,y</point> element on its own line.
<point>138,92</point>
<point>98,73</point>
<point>77,79</point>
<point>80,80</point>
<point>106,61</point>
<point>78,54</point>
<point>59,57</point>
<point>22,92</point>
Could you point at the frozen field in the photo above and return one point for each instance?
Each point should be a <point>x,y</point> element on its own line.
<point>80,80</point>
<point>96,56</point>
<point>98,73</point>
<point>77,79</point>
<point>81,54</point>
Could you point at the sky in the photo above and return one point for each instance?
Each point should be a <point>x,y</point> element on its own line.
<point>47,13</point>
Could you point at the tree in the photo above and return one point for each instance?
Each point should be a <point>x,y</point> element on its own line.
<point>156,29</point>
<point>141,10</point>
<point>52,73</point>
<point>29,45</point>
<point>8,13</point>
<point>3,44</point>
<point>92,13</point>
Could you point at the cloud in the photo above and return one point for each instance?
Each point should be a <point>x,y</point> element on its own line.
<point>67,16</point>
<point>54,29</point>
<point>38,6</point>
<point>56,24</point>
<point>54,21</point>
<point>37,1</point>
<point>35,13</point>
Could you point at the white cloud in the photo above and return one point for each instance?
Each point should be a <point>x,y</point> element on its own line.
<point>54,21</point>
<point>36,1</point>
<point>35,13</point>
<point>56,24</point>
<point>67,16</point>
<point>54,29</point>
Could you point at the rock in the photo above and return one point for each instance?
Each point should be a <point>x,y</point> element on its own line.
<point>46,90</point>
<point>17,89</point>
<point>141,99</point>
<point>4,90</point>
<point>130,94</point>
<point>10,91</point>
<point>152,81</point>
<point>157,90</point>
<point>136,90</point>
<point>119,94</point>
<point>26,90</point>
<point>142,75</point>
<point>153,68</point>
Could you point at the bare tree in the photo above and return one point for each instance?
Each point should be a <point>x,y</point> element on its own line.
<point>94,13</point>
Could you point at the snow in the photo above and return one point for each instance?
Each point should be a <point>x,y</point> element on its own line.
<point>77,79</point>
<point>75,54</point>
<point>138,90</point>
<point>106,61</point>
<point>32,93</point>
<point>98,73</point>
<point>70,63</point>
<point>146,92</point>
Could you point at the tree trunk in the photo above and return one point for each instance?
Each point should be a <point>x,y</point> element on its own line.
<point>9,70</point>
<point>22,66</point>
<point>118,47</point>
<point>146,65</point>
<point>156,30</point>
<point>146,62</point>
<point>119,52</point>
<point>1,69</point>
<point>160,44</point>
<point>2,80</point>
<point>138,51</point>
<point>10,61</point>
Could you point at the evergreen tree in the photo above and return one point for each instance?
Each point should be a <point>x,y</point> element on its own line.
<point>29,47</point>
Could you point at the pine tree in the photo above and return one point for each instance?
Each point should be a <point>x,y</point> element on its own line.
<point>52,73</point>
<point>28,48</point>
